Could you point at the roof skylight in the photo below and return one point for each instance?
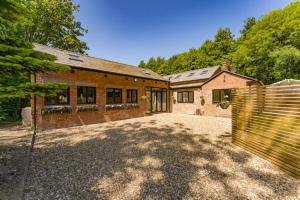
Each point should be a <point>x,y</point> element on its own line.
<point>191,74</point>
<point>75,57</point>
<point>178,76</point>
<point>204,72</point>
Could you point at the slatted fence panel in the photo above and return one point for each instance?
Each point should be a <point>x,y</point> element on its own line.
<point>266,122</point>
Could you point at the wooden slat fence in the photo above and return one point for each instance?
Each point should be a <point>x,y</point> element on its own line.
<point>266,122</point>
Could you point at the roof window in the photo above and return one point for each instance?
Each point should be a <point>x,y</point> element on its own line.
<point>75,57</point>
<point>178,76</point>
<point>191,74</point>
<point>204,72</point>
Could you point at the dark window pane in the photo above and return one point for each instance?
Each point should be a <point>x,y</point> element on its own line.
<point>113,96</point>
<point>51,100</point>
<point>134,96</point>
<point>129,96</point>
<point>227,95</point>
<point>81,94</point>
<point>179,97</point>
<point>91,95</point>
<point>191,97</point>
<point>60,98</point>
<point>185,97</point>
<point>216,96</point>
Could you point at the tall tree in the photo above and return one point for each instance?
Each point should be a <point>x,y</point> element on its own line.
<point>276,33</point>
<point>18,59</point>
<point>210,53</point>
<point>53,23</point>
<point>248,24</point>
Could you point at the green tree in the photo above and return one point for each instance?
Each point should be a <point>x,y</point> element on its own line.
<point>276,32</point>
<point>210,53</point>
<point>286,62</point>
<point>53,23</point>
<point>248,23</point>
<point>18,60</point>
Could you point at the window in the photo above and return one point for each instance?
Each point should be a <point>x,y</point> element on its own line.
<point>131,96</point>
<point>61,98</point>
<point>113,96</point>
<point>185,97</point>
<point>86,95</point>
<point>204,72</point>
<point>221,95</point>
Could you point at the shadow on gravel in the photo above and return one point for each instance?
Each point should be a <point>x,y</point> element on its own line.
<point>131,161</point>
<point>13,149</point>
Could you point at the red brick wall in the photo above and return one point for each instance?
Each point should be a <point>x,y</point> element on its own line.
<point>101,81</point>
<point>188,108</point>
<point>203,96</point>
<point>223,81</point>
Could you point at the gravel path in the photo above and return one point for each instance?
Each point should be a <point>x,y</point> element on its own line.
<point>164,156</point>
<point>14,141</point>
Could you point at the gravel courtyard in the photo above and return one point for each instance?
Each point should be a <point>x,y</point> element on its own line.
<point>164,156</point>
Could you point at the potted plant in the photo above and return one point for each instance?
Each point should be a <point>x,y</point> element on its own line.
<point>224,104</point>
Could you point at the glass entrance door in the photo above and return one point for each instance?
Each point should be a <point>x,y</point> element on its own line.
<point>158,100</point>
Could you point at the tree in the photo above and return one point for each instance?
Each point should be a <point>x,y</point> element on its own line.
<point>210,53</point>
<point>142,64</point>
<point>286,62</point>
<point>248,23</point>
<point>276,32</point>
<point>18,59</point>
<point>53,23</point>
<point>267,49</point>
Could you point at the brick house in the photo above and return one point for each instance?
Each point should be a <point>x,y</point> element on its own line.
<point>101,90</point>
<point>200,91</point>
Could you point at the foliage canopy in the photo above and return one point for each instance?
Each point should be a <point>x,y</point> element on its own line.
<point>267,49</point>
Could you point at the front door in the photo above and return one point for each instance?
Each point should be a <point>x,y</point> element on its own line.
<point>158,100</point>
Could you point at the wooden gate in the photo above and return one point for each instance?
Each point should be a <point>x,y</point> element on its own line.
<point>266,122</point>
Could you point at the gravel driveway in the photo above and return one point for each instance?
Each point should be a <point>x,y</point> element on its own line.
<point>164,156</point>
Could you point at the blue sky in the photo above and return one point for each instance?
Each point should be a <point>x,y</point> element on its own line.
<point>132,30</point>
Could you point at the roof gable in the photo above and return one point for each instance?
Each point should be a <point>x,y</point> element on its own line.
<point>232,73</point>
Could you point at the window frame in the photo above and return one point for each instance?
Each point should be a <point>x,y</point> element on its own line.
<point>190,98</point>
<point>86,92</point>
<point>131,92</point>
<point>57,98</point>
<point>114,96</point>
<point>220,96</point>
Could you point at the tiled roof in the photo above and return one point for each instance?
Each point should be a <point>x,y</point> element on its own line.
<point>198,74</point>
<point>77,60</point>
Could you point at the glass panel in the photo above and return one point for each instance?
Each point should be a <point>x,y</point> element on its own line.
<point>191,97</point>
<point>164,101</point>
<point>222,94</point>
<point>81,94</point>
<point>51,100</point>
<point>109,96</point>
<point>227,95</point>
<point>91,95</point>
<point>63,97</point>
<point>158,96</point>
<point>185,97</point>
<point>148,100</point>
<point>216,96</point>
<point>153,101</point>
<point>134,96</point>
<point>129,96</point>
<point>118,96</point>
<point>179,97</point>
<point>60,98</point>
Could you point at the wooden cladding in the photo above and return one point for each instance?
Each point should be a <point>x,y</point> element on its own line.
<point>266,122</point>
